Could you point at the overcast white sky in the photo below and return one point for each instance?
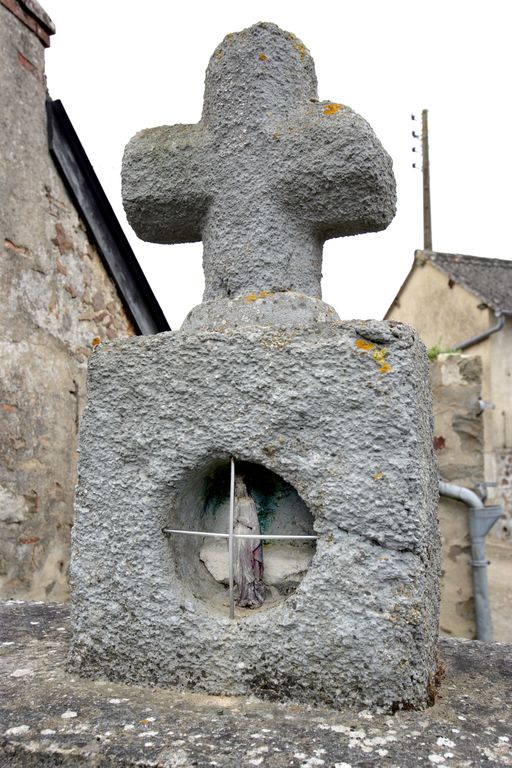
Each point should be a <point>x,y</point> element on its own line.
<point>119,67</point>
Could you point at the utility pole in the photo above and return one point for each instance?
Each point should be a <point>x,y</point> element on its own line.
<point>425,169</point>
<point>427,219</point>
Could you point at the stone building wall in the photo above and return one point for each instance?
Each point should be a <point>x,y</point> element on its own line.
<point>504,479</point>
<point>57,303</point>
<point>455,314</point>
<point>475,448</point>
<point>458,443</point>
<point>499,458</point>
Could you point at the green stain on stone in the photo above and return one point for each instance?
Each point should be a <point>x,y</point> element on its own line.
<point>265,487</point>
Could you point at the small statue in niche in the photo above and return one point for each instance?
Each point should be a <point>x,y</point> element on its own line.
<point>248,552</point>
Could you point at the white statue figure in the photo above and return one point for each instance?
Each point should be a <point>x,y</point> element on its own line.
<point>248,552</point>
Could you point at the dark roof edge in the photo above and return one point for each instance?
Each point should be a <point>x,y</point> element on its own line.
<point>115,251</point>
<point>431,256</point>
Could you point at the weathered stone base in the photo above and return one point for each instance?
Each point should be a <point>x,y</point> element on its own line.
<point>341,414</point>
<point>51,718</point>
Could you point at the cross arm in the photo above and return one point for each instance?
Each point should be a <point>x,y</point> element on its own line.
<point>339,177</point>
<point>165,183</point>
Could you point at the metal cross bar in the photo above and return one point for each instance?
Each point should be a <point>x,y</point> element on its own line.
<point>231,542</point>
<point>239,535</point>
<point>231,536</point>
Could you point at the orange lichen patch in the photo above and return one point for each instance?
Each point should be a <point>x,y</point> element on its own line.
<point>29,540</point>
<point>262,57</point>
<point>255,296</point>
<point>332,108</point>
<point>363,345</point>
<point>378,355</point>
<point>96,341</point>
<point>378,476</point>
<point>8,408</point>
<point>299,47</point>
<point>380,358</point>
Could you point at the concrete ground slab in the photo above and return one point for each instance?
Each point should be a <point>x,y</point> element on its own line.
<point>49,717</point>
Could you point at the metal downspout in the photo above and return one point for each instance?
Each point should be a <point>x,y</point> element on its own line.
<point>482,336</point>
<point>481,520</point>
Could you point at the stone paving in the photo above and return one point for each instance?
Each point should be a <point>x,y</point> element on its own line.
<point>51,718</point>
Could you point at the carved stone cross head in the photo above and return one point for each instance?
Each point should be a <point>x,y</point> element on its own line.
<point>267,175</point>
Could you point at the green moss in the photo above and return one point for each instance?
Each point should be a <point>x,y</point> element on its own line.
<point>434,352</point>
<point>265,487</point>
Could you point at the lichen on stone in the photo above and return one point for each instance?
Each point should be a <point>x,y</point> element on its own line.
<point>253,296</point>
<point>364,345</point>
<point>331,108</point>
<point>378,356</point>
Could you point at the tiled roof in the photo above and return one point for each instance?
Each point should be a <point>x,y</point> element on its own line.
<point>489,279</point>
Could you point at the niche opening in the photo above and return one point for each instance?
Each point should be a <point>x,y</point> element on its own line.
<point>202,561</point>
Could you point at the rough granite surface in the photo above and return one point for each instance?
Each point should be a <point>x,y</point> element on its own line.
<point>341,412</point>
<point>50,718</point>
<point>285,309</point>
<point>267,175</point>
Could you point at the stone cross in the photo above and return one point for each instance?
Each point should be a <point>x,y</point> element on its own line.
<point>267,175</point>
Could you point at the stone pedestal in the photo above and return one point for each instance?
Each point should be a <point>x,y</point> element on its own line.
<point>334,420</point>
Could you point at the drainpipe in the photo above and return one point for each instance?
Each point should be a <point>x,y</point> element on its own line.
<point>481,520</point>
<point>484,335</point>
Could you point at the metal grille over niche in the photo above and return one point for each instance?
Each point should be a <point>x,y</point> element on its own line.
<point>231,536</point>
